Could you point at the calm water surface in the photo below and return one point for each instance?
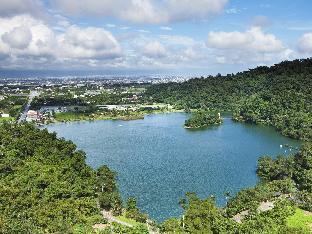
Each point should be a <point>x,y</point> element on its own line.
<point>157,160</point>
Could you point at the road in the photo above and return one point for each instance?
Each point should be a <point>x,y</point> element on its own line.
<point>31,96</point>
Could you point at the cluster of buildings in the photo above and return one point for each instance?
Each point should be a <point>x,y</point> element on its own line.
<point>34,116</point>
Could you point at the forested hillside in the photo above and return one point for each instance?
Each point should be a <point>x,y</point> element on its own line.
<point>46,186</point>
<point>280,96</point>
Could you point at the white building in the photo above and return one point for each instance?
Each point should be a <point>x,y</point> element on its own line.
<point>3,115</point>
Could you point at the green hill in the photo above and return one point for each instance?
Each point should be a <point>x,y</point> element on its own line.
<point>280,96</point>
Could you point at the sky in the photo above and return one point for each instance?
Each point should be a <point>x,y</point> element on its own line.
<point>186,37</point>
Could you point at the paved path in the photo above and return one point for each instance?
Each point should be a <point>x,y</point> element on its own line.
<point>107,215</point>
<point>263,207</point>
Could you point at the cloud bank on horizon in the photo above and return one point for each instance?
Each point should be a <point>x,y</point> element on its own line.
<point>183,36</point>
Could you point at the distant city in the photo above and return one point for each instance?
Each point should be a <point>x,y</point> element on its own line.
<point>100,79</point>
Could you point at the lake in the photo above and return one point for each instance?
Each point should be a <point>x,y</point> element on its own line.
<point>158,161</point>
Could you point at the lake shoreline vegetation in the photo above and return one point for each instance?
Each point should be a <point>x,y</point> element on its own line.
<point>120,115</point>
<point>47,187</point>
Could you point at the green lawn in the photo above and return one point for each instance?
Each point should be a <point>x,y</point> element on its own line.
<point>300,220</point>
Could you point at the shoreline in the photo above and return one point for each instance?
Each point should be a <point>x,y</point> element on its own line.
<point>120,118</point>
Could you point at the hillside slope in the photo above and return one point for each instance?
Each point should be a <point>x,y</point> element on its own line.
<point>280,96</point>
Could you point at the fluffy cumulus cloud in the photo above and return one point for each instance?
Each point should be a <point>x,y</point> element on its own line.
<point>148,51</point>
<point>47,34</point>
<point>254,39</point>
<point>144,11</point>
<point>19,37</point>
<point>88,43</point>
<point>28,40</point>
<point>154,49</point>
<point>24,35</point>
<point>253,44</point>
<point>305,44</point>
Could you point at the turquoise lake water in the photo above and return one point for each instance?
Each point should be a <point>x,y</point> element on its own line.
<point>158,161</point>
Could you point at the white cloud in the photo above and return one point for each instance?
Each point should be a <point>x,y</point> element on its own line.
<point>124,27</point>
<point>193,9</point>
<point>24,35</point>
<point>16,7</point>
<point>228,40</point>
<point>178,40</point>
<point>254,39</point>
<point>166,28</point>
<point>110,25</point>
<point>154,49</point>
<point>305,43</point>
<point>88,43</point>
<point>18,38</point>
<point>251,46</point>
<point>133,10</point>
<point>143,31</point>
<point>144,11</point>
<point>26,41</point>
<point>232,11</point>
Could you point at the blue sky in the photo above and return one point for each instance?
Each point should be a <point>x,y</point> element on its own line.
<point>190,37</point>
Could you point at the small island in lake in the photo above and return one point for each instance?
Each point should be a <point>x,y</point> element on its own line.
<point>202,119</point>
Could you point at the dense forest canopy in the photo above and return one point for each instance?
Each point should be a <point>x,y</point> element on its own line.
<point>280,96</point>
<point>46,186</point>
<point>202,119</point>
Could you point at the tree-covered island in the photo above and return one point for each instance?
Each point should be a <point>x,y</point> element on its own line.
<point>202,119</point>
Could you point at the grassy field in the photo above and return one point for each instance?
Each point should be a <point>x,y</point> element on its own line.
<point>301,219</point>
